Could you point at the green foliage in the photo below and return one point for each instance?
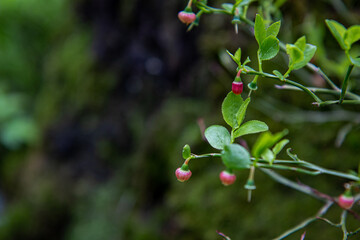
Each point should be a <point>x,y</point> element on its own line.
<point>345,37</point>
<point>279,75</point>
<point>228,7</point>
<point>230,108</point>
<point>352,35</point>
<point>240,115</point>
<point>260,29</point>
<point>273,29</point>
<point>251,127</point>
<point>270,155</point>
<point>235,156</point>
<point>186,152</point>
<point>236,57</point>
<point>265,141</point>
<point>266,38</point>
<point>295,55</point>
<point>300,53</point>
<point>217,136</point>
<point>269,48</point>
<point>338,31</point>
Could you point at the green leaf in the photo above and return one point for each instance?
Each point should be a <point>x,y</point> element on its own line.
<point>269,48</point>
<point>230,107</point>
<point>266,140</point>
<point>301,43</point>
<point>279,75</point>
<point>268,155</point>
<point>228,7</point>
<point>251,127</point>
<point>355,61</point>
<point>238,55</point>
<point>233,58</point>
<point>217,136</point>
<point>249,69</point>
<point>338,31</point>
<point>240,115</point>
<point>245,3</point>
<point>352,35</point>
<point>279,146</point>
<point>260,30</point>
<point>309,52</point>
<point>235,156</point>
<point>273,29</point>
<point>295,55</point>
<point>247,60</point>
<point>186,152</point>
<point>293,156</point>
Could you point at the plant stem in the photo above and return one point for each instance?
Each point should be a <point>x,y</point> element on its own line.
<point>345,83</point>
<point>343,224</point>
<point>306,222</point>
<point>329,172</point>
<point>354,232</point>
<point>282,167</point>
<point>282,45</point>
<point>209,9</point>
<point>189,4</point>
<point>262,163</point>
<point>324,103</point>
<point>289,183</point>
<point>206,155</point>
<point>322,90</point>
<point>323,75</point>
<point>298,85</point>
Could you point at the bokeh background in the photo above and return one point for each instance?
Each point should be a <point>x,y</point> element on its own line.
<point>97,98</point>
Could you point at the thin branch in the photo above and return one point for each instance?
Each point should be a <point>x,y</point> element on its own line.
<point>343,224</point>
<point>320,90</point>
<point>306,222</point>
<point>289,183</point>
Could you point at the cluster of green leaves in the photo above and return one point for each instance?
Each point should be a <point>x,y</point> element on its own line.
<point>233,155</point>
<point>265,142</point>
<point>299,53</point>
<point>345,37</point>
<point>266,38</point>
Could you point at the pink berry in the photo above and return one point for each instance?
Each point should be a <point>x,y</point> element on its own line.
<point>227,178</point>
<point>186,17</point>
<point>346,202</point>
<point>237,87</point>
<point>182,175</point>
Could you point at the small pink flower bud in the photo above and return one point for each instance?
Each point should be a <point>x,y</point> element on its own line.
<point>227,178</point>
<point>186,17</point>
<point>182,175</point>
<point>237,87</point>
<point>346,202</point>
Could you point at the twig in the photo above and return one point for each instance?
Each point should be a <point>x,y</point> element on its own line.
<point>223,235</point>
<point>289,183</point>
<point>306,222</point>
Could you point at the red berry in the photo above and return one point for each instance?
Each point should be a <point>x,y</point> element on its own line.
<point>186,17</point>
<point>182,175</point>
<point>346,202</point>
<point>227,178</point>
<point>237,87</point>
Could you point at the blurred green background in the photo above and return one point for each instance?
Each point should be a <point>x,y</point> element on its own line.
<point>97,98</point>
